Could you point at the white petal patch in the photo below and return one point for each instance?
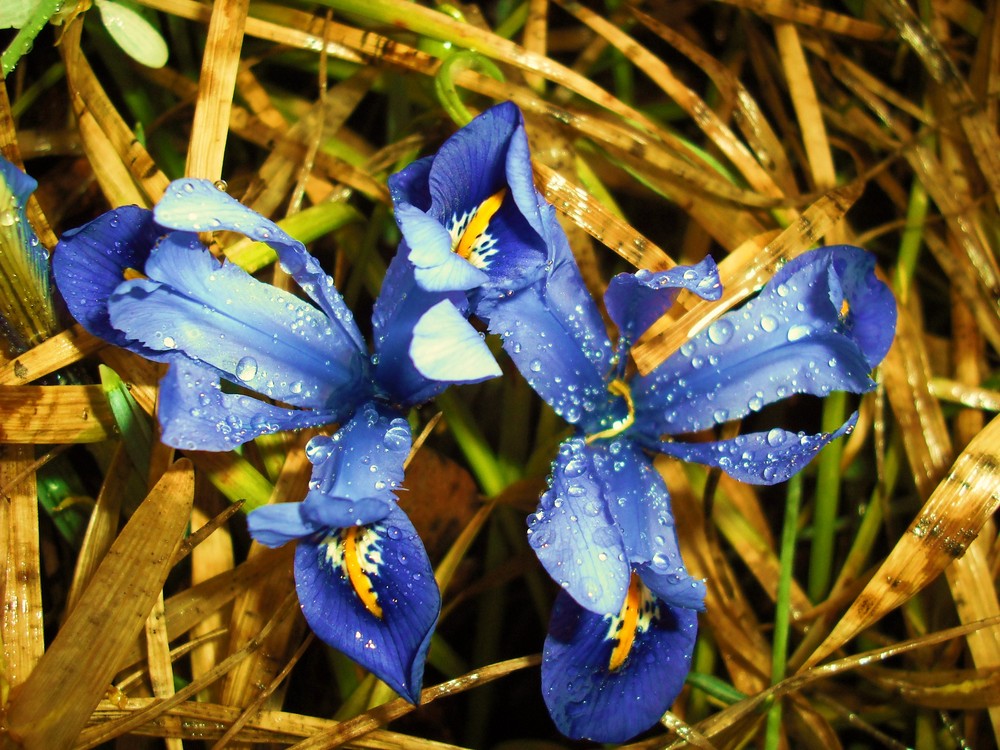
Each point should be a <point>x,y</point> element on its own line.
<point>446,347</point>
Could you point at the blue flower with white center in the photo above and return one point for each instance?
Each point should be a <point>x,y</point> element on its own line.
<point>141,280</point>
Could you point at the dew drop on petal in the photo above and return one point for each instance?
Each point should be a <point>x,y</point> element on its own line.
<point>720,332</point>
<point>797,332</point>
<point>246,369</point>
<point>768,323</point>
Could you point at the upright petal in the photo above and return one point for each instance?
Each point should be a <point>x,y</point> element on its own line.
<point>640,505</point>
<point>196,414</point>
<point>357,471</point>
<point>819,325</point>
<point>636,300</point>
<point>609,677</point>
<point>575,537</point>
<point>90,262</point>
<point>369,592</point>
<point>198,206</point>
<point>256,335</point>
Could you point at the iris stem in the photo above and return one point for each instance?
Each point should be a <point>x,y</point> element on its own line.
<point>482,460</point>
<point>444,82</point>
<point>827,500</point>
<point>783,608</point>
<point>21,44</point>
<point>911,240</point>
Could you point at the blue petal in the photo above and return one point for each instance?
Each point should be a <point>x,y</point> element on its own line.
<point>393,647</point>
<point>198,206</point>
<point>253,333</point>
<point>89,263</point>
<point>437,267</point>
<point>562,353</point>
<point>636,300</point>
<point>410,185</point>
<point>276,525</point>
<point>575,537</point>
<point>759,457</point>
<point>446,347</point>
<point>588,700</point>
<point>195,414</point>
<point>400,305</point>
<point>357,471</point>
<point>792,339</point>
<point>640,505</point>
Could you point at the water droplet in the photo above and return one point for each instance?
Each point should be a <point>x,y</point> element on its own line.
<point>775,437</point>
<point>720,332</point>
<point>535,365</point>
<point>797,332</point>
<point>246,369</point>
<point>768,323</point>
<point>168,342</point>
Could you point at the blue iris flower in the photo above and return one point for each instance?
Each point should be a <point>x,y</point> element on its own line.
<point>624,625</point>
<point>142,280</point>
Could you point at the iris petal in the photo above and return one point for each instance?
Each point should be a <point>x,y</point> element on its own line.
<point>438,268</point>
<point>446,347</point>
<point>89,263</point>
<point>393,560</point>
<point>258,336</point>
<point>759,457</point>
<point>795,337</point>
<point>356,472</point>
<point>636,300</point>
<point>276,525</point>
<point>575,537</point>
<point>640,505</point>
<point>198,206</point>
<point>588,700</point>
<point>195,414</point>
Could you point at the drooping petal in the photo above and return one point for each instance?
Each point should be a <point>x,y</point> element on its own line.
<point>277,525</point>
<point>636,300</point>
<point>585,696</point>
<point>369,592</point>
<point>255,334</point>
<point>446,347</point>
<point>356,472</point>
<point>820,325</point>
<point>198,206</point>
<point>90,262</point>
<point>575,537</point>
<point>561,354</point>
<point>196,414</point>
<point>640,505</point>
<point>400,305</point>
<point>759,457</point>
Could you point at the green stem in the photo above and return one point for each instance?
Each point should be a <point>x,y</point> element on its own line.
<point>482,460</point>
<point>444,82</point>
<point>827,500</point>
<point>21,44</point>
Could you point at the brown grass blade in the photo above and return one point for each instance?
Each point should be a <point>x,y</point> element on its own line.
<point>85,654</point>
<point>744,272</point>
<point>942,531</point>
<point>216,84</point>
<point>53,354</point>
<point>23,637</point>
<point>805,14</point>
<point>54,414</point>
<point>957,689</point>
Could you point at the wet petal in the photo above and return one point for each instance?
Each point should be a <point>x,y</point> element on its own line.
<point>357,471</point>
<point>636,300</point>
<point>640,505</point>
<point>89,263</point>
<point>410,184</point>
<point>276,525</point>
<point>198,206</point>
<point>575,537</point>
<point>195,414</point>
<point>384,567</point>
<point>438,268</point>
<point>586,698</point>
<point>820,325</point>
<point>257,335</point>
<point>446,347</point>
<point>759,457</point>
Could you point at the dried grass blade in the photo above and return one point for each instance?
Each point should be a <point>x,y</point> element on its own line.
<point>85,654</point>
<point>805,14</point>
<point>54,414</point>
<point>743,272</point>
<point>942,531</point>
<point>160,667</point>
<point>53,354</point>
<point>216,84</point>
<point>23,637</point>
<point>944,689</point>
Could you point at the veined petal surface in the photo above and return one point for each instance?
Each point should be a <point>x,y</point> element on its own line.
<point>821,324</point>
<point>388,558</point>
<point>574,535</point>
<point>258,336</point>
<point>446,347</point>
<point>198,206</point>
<point>196,414</point>
<point>588,699</point>
<point>357,471</point>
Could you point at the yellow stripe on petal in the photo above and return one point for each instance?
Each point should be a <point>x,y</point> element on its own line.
<point>478,223</point>
<point>130,274</point>
<point>356,572</point>
<point>629,619</point>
